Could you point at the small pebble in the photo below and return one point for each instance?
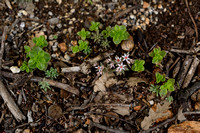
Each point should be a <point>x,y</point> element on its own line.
<point>50,13</point>
<point>53,21</point>
<point>59,26</point>
<point>142,17</point>
<point>22,25</point>
<point>160,6</point>
<point>147,21</point>
<point>151,102</point>
<point>132,16</point>
<point>14,69</point>
<point>72,11</point>
<point>145,5</point>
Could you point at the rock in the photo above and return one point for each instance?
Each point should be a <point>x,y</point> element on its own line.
<point>127,45</point>
<point>187,126</point>
<point>54,111</point>
<point>137,108</point>
<point>145,5</point>
<point>14,69</point>
<point>147,21</point>
<point>63,47</point>
<point>53,21</point>
<point>160,6</point>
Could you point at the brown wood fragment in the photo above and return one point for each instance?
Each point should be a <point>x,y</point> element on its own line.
<point>191,72</point>
<point>176,69</point>
<point>184,70</point>
<point>11,103</point>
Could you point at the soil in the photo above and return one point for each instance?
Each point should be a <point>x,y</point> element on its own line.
<point>85,100</point>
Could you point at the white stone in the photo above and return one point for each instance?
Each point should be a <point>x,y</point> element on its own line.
<point>151,102</point>
<point>14,69</point>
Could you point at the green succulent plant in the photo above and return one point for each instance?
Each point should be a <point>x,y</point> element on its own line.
<point>94,26</point>
<point>119,33</point>
<point>44,85</point>
<point>52,73</point>
<point>138,65</point>
<point>157,55</point>
<point>83,34</point>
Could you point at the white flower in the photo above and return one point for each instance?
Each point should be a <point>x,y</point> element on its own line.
<point>126,58</point>
<point>99,68</point>
<point>120,67</point>
<point>108,60</point>
<point>117,59</point>
<point>112,65</point>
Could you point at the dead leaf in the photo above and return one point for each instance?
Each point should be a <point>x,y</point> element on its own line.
<point>181,116</point>
<point>133,81</point>
<point>111,82</point>
<point>187,126</point>
<point>154,115</point>
<point>100,83</point>
<point>122,110</point>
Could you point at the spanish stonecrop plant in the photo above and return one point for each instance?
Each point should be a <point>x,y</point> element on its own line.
<point>83,46</point>
<point>117,33</point>
<point>157,55</point>
<point>38,58</point>
<point>44,85</point>
<point>138,65</point>
<point>52,73</point>
<point>162,88</point>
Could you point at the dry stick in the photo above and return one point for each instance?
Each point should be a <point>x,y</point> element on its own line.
<point>11,103</point>
<point>107,128</point>
<point>176,69</point>
<point>195,26</point>
<point>174,63</point>
<point>3,91</point>
<point>184,69</point>
<point>51,82</point>
<point>191,72</point>
<point>3,45</point>
<point>123,12</point>
<point>65,87</point>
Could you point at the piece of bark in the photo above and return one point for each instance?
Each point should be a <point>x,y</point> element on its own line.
<point>191,72</point>
<point>176,69</point>
<point>187,126</point>
<point>11,103</point>
<point>184,70</point>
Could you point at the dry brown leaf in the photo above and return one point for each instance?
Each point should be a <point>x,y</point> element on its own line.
<point>122,110</point>
<point>111,82</point>
<point>181,116</point>
<point>100,83</point>
<point>187,126</point>
<point>154,115</point>
<point>133,81</point>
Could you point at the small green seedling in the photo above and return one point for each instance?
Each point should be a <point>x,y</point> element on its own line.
<point>52,73</point>
<point>159,77</point>
<point>167,86</point>
<point>83,46</point>
<point>40,41</point>
<point>83,34</point>
<point>55,37</point>
<point>169,99</point>
<point>97,37</point>
<point>25,67</point>
<point>138,65</point>
<point>155,89</point>
<point>44,85</point>
<point>157,55</point>
<point>119,33</point>
<point>94,26</point>
<point>75,49</point>
<point>38,58</point>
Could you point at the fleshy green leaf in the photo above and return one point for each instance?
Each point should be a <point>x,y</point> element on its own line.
<point>159,77</point>
<point>83,34</point>
<point>138,65</point>
<point>94,26</point>
<point>75,49</point>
